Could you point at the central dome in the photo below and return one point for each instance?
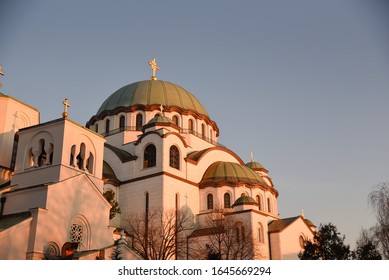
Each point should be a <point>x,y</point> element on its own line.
<point>151,92</point>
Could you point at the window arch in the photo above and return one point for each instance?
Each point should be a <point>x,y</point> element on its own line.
<point>150,156</point>
<point>107,123</point>
<point>258,199</point>
<point>203,131</point>
<point>260,234</point>
<point>175,120</point>
<point>139,122</point>
<point>79,232</point>
<point>191,126</point>
<point>209,201</point>
<point>174,155</point>
<point>227,200</point>
<point>122,123</point>
<point>268,205</point>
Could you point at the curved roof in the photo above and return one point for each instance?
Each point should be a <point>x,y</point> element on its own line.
<point>161,119</point>
<point>256,166</point>
<point>245,199</point>
<point>151,92</point>
<point>231,173</point>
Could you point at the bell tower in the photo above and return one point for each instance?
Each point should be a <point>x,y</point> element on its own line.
<point>54,151</point>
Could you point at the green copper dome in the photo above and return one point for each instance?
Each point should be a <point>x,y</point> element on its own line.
<point>152,92</point>
<point>232,173</point>
<point>245,200</point>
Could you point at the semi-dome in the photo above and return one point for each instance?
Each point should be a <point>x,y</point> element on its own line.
<point>230,173</point>
<point>152,92</point>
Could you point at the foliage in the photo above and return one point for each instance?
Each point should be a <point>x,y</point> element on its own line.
<point>161,235</point>
<point>110,197</point>
<point>379,199</point>
<point>229,238</point>
<point>366,247</point>
<point>328,244</point>
<point>116,253</point>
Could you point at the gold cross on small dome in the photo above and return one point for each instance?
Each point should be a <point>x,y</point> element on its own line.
<point>65,108</point>
<point>154,67</point>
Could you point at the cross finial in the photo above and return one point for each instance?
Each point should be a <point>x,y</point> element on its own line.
<point>2,74</point>
<point>154,67</point>
<point>252,156</point>
<point>161,108</point>
<point>65,108</point>
<point>302,213</point>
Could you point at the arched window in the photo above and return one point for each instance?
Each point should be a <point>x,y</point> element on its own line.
<point>89,163</point>
<point>268,205</point>
<point>227,200</point>
<point>107,127</point>
<point>150,156</point>
<point>175,120</point>
<point>258,198</point>
<point>211,134</point>
<point>203,131</point>
<point>190,126</point>
<point>122,123</point>
<point>81,164</point>
<point>174,157</point>
<point>260,234</point>
<point>139,122</point>
<point>209,201</point>
<point>97,128</point>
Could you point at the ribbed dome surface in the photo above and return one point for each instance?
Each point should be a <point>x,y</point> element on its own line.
<point>231,172</point>
<point>151,92</point>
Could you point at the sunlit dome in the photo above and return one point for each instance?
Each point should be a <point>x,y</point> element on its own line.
<point>152,92</point>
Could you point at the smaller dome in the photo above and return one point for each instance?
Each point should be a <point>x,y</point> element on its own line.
<point>256,166</point>
<point>161,119</point>
<point>230,173</point>
<point>245,200</point>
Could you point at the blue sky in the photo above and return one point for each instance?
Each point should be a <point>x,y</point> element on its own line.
<point>302,84</point>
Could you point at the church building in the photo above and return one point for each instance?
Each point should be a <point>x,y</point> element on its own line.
<point>145,178</point>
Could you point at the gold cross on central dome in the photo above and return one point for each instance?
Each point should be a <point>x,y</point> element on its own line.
<point>154,67</point>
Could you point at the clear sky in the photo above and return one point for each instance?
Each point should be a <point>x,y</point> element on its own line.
<point>302,84</point>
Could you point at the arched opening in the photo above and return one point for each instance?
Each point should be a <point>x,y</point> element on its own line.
<point>191,126</point>
<point>139,122</point>
<point>122,123</point>
<point>150,156</point>
<point>227,200</point>
<point>209,201</point>
<point>174,157</point>
<point>107,128</point>
<point>175,120</point>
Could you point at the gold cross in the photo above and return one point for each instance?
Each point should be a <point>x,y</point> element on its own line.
<point>2,74</point>
<point>154,67</point>
<point>161,108</point>
<point>65,108</point>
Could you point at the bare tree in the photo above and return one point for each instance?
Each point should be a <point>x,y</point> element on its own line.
<point>229,238</point>
<point>379,199</point>
<point>161,235</point>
